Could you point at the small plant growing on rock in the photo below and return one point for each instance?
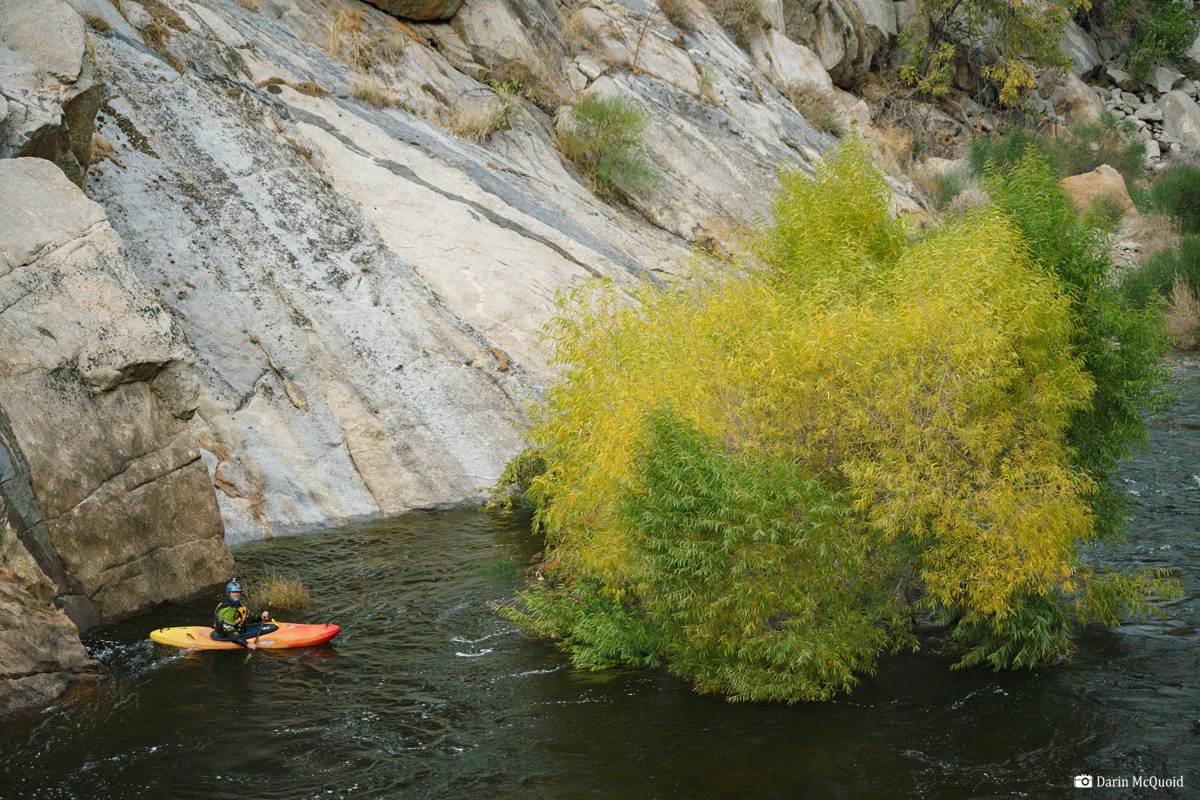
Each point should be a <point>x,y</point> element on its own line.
<point>371,91</point>
<point>97,22</point>
<point>817,107</point>
<point>739,17</point>
<point>475,124</point>
<point>603,137</point>
<point>678,13</point>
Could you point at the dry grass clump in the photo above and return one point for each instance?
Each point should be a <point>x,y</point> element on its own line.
<point>303,87</point>
<point>1183,316</point>
<point>575,33</point>
<point>817,107</point>
<point>102,149</point>
<point>897,144</point>
<point>280,590</point>
<point>96,22</point>
<point>534,84</point>
<point>371,91</point>
<point>1155,232</point>
<point>344,40</point>
<point>249,5</point>
<point>678,13</point>
<point>739,17</point>
<point>475,123</point>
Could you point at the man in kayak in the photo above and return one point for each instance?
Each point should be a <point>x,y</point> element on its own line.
<point>229,621</point>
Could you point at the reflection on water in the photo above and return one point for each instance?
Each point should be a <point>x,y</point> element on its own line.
<point>428,694</point>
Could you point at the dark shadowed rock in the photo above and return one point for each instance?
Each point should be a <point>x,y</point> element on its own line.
<point>419,9</point>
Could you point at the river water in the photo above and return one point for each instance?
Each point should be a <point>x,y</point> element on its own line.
<point>428,694</point>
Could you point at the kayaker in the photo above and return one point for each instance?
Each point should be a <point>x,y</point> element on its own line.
<point>229,621</point>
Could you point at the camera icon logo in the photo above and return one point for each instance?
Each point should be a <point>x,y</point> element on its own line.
<point>1083,782</point>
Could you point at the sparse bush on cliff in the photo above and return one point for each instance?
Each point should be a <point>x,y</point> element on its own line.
<point>818,108</point>
<point>603,138</point>
<point>754,477</point>
<point>475,123</point>
<point>739,17</point>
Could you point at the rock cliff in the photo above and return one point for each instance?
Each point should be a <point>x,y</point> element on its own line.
<point>361,289</point>
<point>108,507</point>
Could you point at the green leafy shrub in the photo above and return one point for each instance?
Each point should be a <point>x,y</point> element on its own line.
<point>1163,32</point>
<point>1009,39</point>
<point>1085,147</point>
<point>604,139</point>
<point>511,492</point>
<point>1120,344</point>
<point>1176,192</point>
<point>752,475</point>
<point>1151,281</point>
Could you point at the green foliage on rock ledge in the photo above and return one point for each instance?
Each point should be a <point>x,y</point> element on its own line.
<point>755,476</point>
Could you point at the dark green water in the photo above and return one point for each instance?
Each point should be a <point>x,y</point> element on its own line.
<point>427,694</point>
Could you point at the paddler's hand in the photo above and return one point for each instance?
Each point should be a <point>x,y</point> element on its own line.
<point>251,646</point>
<point>264,615</point>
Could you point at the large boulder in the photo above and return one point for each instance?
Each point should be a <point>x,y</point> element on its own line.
<point>847,35</point>
<point>1181,118</point>
<point>50,90</point>
<point>419,9</point>
<point>1071,97</point>
<point>1103,181</point>
<point>97,391</point>
<point>786,63</point>
<point>1079,47</point>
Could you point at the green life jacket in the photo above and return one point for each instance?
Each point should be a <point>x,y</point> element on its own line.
<point>230,619</point>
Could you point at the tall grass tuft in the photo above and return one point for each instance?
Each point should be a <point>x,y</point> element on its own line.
<point>1183,316</point>
<point>1177,192</point>
<point>280,590</point>
<point>1152,280</point>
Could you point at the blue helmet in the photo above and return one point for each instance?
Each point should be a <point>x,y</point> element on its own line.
<point>231,587</point>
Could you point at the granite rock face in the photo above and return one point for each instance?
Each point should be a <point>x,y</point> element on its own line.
<point>419,9</point>
<point>362,291</point>
<point>40,652</point>
<point>49,90</point>
<point>95,390</point>
<point>847,35</point>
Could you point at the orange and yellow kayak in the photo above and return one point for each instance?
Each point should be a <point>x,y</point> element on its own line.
<point>288,635</point>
